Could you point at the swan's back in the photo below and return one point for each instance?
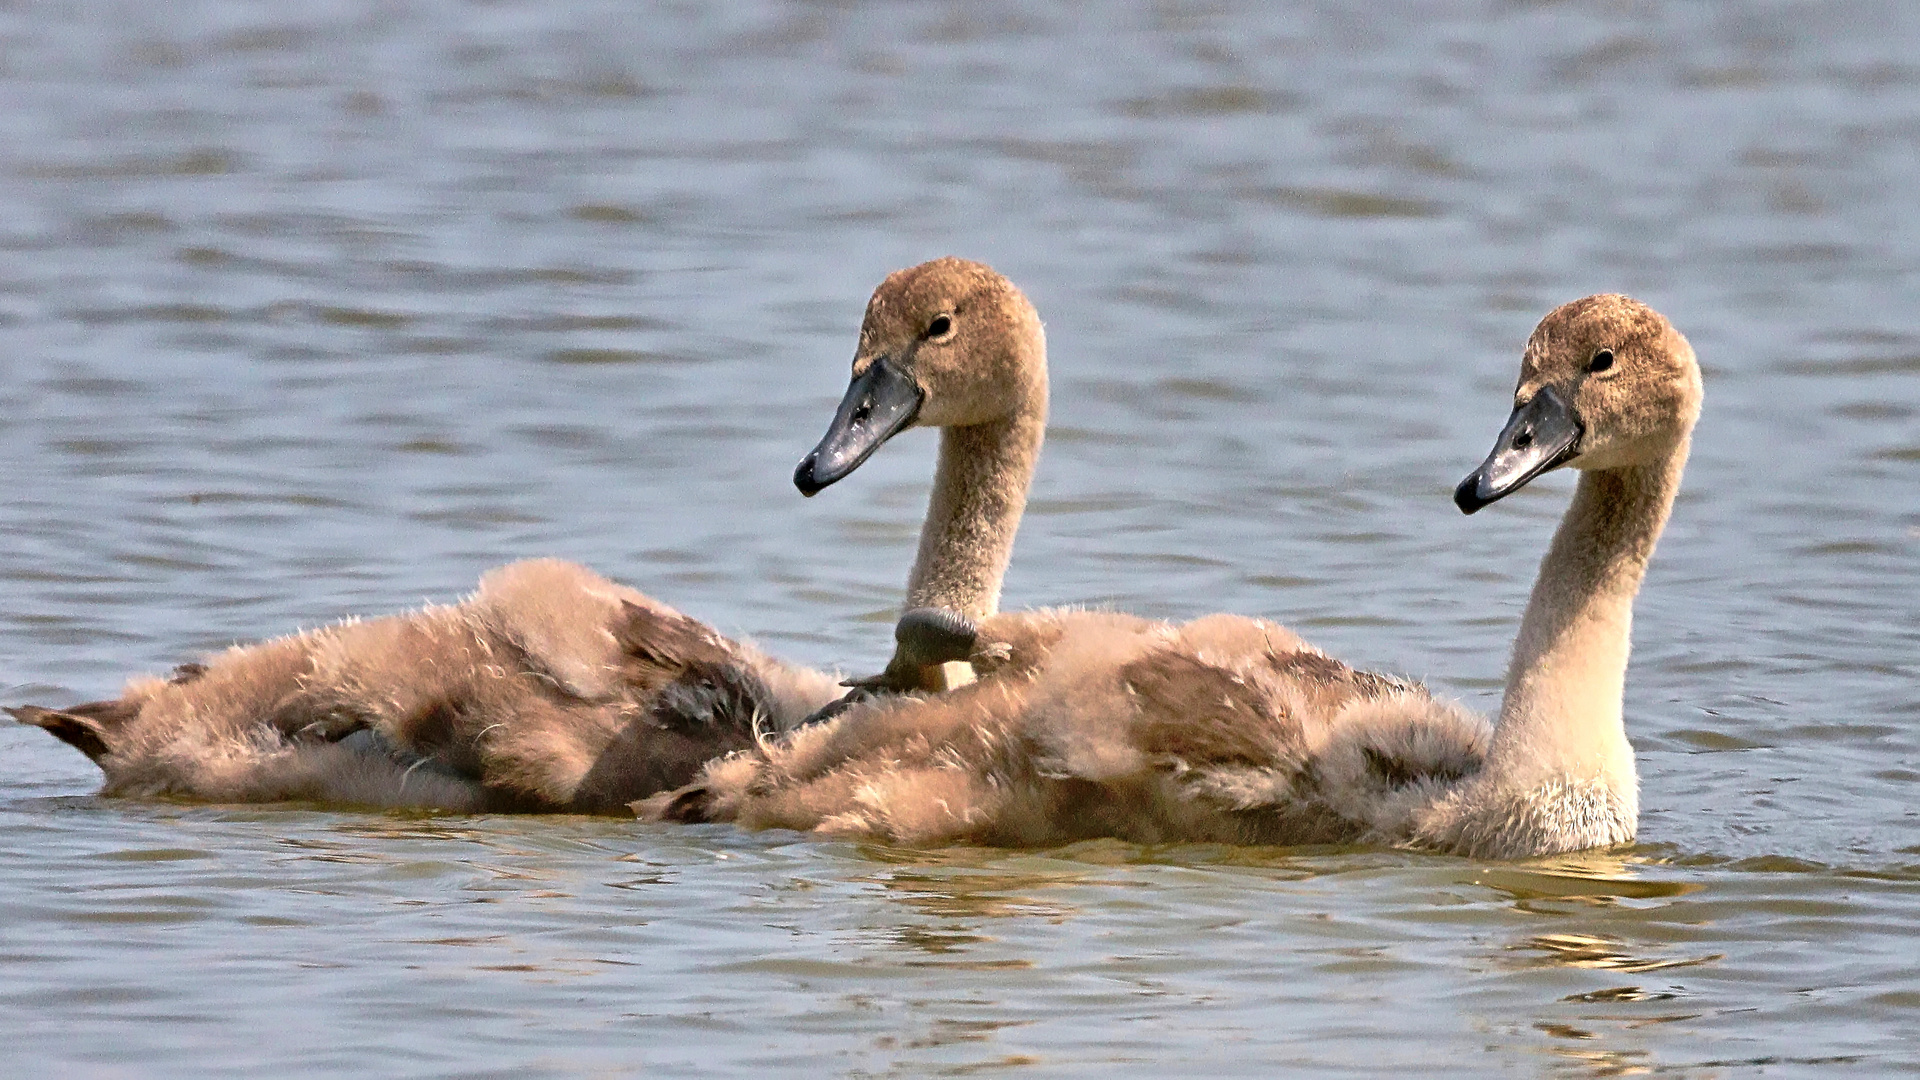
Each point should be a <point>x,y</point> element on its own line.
<point>1089,724</point>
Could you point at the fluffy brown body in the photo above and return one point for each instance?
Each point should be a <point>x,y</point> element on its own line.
<point>550,688</point>
<point>1090,724</point>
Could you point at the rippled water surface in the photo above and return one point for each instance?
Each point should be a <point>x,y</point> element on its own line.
<point>319,309</point>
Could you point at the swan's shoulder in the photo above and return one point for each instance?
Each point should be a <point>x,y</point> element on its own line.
<point>590,635</point>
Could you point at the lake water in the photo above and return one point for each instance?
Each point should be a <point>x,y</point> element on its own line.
<point>320,309</point>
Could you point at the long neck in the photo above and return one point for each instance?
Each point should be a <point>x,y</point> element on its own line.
<point>1561,718</point>
<point>979,493</point>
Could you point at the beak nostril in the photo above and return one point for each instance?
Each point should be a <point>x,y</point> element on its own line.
<point>1523,439</point>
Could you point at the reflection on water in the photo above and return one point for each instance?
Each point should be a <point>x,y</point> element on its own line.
<point>311,310</point>
<point>1565,883</point>
<point>979,895</point>
<point>1588,951</point>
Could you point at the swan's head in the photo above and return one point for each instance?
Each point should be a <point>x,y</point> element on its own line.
<point>1606,383</point>
<point>948,343</point>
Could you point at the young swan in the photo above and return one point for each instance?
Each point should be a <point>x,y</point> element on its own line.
<point>552,688</point>
<point>1231,729</point>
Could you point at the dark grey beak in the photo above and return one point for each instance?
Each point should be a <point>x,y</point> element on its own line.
<point>1540,435</point>
<point>880,402</point>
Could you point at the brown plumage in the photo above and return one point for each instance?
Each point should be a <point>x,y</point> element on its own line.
<point>1088,724</point>
<point>550,688</point>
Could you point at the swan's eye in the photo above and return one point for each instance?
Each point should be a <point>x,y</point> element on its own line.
<point>1601,361</point>
<point>940,327</point>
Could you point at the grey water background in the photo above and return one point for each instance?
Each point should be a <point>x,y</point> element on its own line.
<point>322,309</point>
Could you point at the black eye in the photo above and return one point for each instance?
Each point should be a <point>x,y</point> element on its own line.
<point>939,326</point>
<point>1601,361</point>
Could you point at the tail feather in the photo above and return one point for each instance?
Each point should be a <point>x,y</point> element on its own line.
<point>87,728</point>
